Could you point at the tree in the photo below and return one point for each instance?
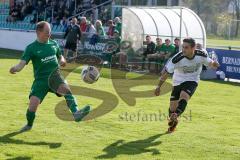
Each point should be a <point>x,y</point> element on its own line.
<point>209,11</point>
<point>236,4</point>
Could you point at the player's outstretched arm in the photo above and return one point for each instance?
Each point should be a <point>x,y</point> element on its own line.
<point>18,67</point>
<point>214,64</point>
<point>162,79</point>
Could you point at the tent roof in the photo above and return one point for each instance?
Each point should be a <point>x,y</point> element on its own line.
<point>163,22</point>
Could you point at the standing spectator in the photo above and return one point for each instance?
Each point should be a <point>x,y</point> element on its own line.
<point>83,24</point>
<point>72,35</point>
<point>150,50</point>
<point>87,4</point>
<point>118,25</point>
<point>111,28</point>
<point>90,29</point>
<point>95,13</point>
<point>64,23</point>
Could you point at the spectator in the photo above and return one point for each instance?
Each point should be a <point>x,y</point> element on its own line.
<point>199,46</point>
<point>83,24</point>
<point>40,7</point>
<point>159,56</point>
<point>72,35</point>
<point>168,48</point>
<point>177,45</point>
<point>64,23</point>
<point>111,28</point>
<point>90,30</point>
<point>14,14</point>
<point>158,53</point>
<point>95,13</point>
<point>117,37</point>
<point>99,28</point>
<point>159,45</point>
<point>79,8</point>
<point>150,50</point>
<point>86,4</point>
<point>118,25</point>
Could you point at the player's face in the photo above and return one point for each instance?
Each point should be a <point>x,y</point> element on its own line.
<point>45,34</point>
<point>187,49</point>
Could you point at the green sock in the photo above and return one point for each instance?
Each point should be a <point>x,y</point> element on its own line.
<point>30,117</point>
<point>71,102</point>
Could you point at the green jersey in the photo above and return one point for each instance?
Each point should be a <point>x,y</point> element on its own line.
<point>159,49</point>
<point>44,57</point>
<point>168,49</point>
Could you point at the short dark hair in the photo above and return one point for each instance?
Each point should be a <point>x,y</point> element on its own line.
<point>191,41</point>
<point>176,39</point>
<point>40,25</point>
<point>148,36</point>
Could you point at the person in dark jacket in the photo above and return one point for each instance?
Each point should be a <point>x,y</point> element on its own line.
<point>150,50</point>
<point>72,36</point>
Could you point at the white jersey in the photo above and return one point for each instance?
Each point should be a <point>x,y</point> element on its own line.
<point>185,69</point>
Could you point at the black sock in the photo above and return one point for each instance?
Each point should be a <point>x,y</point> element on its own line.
<point>181,106</point>
<point>30,117</point>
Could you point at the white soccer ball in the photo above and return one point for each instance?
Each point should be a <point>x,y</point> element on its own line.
<point>90,74</point>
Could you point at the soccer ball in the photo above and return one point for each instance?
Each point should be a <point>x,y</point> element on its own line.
<point>90,74</point>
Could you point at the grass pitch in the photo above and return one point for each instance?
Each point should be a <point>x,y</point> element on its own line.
<point>209,129</point>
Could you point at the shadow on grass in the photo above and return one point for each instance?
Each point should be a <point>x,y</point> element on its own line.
<point>121,147</point>
<point>20,158</point>
<point>223,82</point>
<point>9,54</point>
<point>7,139</point>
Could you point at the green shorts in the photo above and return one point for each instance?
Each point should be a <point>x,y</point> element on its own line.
<point>41,87</point>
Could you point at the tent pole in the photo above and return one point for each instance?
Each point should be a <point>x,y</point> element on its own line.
<point>180,33</point>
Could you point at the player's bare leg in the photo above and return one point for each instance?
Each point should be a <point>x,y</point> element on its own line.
<point>31,111</point>
<point>177,111</point>
<point>78,115</point>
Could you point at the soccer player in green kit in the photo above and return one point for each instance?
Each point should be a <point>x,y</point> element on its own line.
<point>46,59</point>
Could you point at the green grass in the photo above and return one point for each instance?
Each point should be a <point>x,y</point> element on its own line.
<point>211,133</point>
<point>220,43</point>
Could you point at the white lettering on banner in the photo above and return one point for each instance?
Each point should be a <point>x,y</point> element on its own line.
<point>233,69</point>
<point>231,61</point>
<point>96,47</point>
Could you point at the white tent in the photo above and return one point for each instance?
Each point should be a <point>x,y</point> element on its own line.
<point>167,22</point>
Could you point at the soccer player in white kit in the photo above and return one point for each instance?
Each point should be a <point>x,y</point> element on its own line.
<point>186,67</point>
